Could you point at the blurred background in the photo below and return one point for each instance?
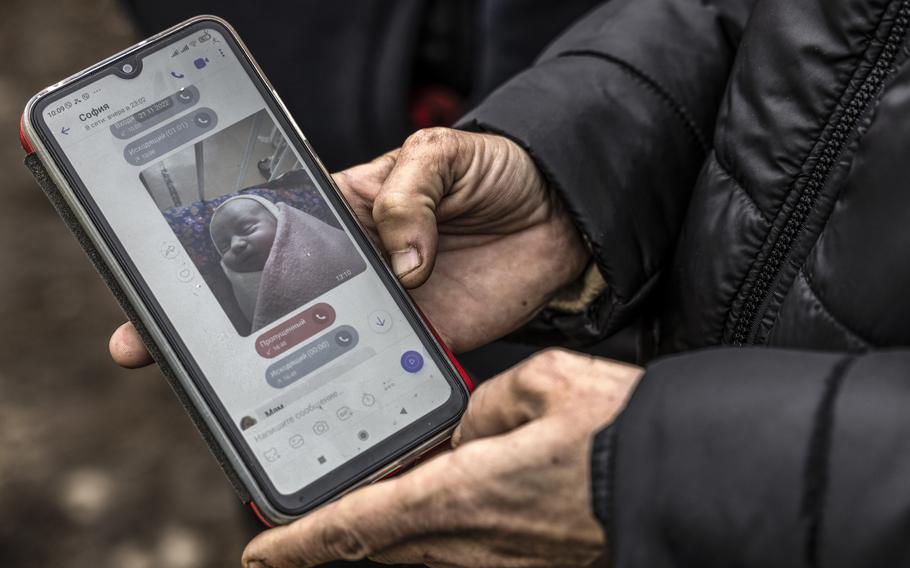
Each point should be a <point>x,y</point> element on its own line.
<point>100,467</point>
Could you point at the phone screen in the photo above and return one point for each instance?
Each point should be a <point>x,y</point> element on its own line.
<point>314,362</point>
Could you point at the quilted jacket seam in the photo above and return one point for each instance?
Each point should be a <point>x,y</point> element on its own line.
<point>737,184</point>
<point>817,472</point>
<point>829,315</point>
<point>796,187</point>
<point>674,105</point>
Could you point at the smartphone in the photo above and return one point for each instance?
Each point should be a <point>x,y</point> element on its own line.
<point>308,367</point>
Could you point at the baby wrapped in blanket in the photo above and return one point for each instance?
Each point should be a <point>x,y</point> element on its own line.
<point>277,257</point>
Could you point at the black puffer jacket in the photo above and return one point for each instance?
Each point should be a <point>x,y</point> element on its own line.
<point>742,173</point>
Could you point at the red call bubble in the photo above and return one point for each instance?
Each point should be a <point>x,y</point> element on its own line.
<point>301,327</point>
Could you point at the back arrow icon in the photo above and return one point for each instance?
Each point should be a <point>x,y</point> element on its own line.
<point>64,130</point>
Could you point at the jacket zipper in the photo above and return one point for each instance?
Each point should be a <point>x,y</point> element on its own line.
<point>746,325</point>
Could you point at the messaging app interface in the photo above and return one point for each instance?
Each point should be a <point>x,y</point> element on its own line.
<point>293,329</point>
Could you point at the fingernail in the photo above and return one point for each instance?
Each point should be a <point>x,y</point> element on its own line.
<point>255,564</point>
<point>405,261</point>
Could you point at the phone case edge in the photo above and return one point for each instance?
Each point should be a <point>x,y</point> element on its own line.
<point>33,163</point>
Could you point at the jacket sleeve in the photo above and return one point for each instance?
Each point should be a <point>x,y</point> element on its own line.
<point>618,115</point>
<point>757,458</point>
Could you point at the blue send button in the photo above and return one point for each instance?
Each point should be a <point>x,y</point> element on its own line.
<point>411,361</point>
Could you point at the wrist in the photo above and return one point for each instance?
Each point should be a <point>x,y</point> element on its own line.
<point>584,285</point>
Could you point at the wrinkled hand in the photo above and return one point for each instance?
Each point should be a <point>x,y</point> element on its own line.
<point>469,224</point>
<point>514,492</point>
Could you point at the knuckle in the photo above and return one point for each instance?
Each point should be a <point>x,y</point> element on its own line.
<point>432,559</point>
<point>541,374</point>
<point>429,137</point>
<point>343,542</point>
<point>550,359</point>
<point>391,204</point>
<point>531,384</point>
<point>387,161</point>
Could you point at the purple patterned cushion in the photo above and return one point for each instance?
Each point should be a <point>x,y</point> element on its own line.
<point>191,222</point>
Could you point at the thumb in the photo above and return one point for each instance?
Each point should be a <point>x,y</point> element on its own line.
<point>405,207</point>
<point>127,348</point>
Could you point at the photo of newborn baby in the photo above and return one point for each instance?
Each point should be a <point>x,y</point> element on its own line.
<point>253,222</point>
<point>276,257</point>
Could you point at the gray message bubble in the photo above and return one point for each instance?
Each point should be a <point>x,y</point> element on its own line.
<point>155,113</point>
<point>170,136</point>
<point>312,356</point>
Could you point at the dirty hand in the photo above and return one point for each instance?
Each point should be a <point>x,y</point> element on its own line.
<point>468,224</point>
<point>515,491</point>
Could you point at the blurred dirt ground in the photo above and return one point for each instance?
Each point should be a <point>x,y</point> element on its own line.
<point>99,467</point>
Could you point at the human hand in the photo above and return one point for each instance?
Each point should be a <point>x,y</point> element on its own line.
<point>471,228</point>
<point>469,225</point>
<point>514,492</point>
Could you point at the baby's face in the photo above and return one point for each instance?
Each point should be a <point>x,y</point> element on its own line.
<point>243,231</point>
